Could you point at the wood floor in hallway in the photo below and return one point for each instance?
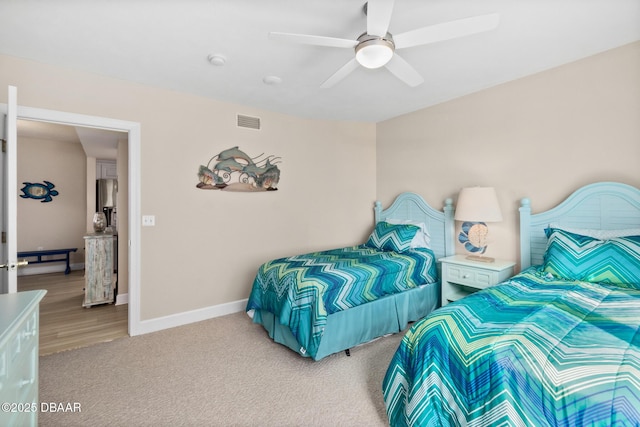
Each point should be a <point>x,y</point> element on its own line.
<point>64,323</point>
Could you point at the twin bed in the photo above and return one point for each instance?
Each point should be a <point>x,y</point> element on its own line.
<point>326,302</point>
<point>558,344</point>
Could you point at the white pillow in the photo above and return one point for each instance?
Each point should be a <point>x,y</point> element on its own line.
<point>599,234</point>
<point>422,237</point>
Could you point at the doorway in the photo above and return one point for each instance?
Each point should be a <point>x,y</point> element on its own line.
<point>132,129</point>
<point>69,160</point>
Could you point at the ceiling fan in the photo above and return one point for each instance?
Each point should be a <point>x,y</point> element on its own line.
<point>376,47</point>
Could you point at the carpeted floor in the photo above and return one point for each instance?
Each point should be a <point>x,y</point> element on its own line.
<point>220,372</point>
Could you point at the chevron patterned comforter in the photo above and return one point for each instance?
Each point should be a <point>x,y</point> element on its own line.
<point>303,290</point>
<point>533,351</point>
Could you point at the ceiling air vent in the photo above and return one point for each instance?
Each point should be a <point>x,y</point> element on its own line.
<point>248,122</point>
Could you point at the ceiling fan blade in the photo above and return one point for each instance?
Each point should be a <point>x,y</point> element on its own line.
<point>447,30</point>
<point>378,17</point>
<point>343,72</point>
<point>313,40</point>
<point>405,72</point>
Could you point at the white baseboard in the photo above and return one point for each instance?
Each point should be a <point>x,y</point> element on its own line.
<point>179,319</point>
<point>122,299</point>
<point>44,269</point>
<point>160,323</point>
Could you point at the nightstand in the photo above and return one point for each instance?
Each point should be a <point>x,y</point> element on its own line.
<point>461,277</point>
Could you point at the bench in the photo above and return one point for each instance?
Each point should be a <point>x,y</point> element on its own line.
<point>49,252</point>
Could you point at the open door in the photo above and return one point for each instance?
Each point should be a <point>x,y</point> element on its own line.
<point>9,259</point>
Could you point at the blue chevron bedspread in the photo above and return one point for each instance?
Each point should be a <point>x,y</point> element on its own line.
<point>303,290</point>
<point>533,351</point>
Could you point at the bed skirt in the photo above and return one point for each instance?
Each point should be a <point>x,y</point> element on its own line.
<point>349,328</point>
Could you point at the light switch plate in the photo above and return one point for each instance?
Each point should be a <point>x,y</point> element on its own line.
<point>148,220</point>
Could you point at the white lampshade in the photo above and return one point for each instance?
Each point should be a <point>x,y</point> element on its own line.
<point>478,204</point>
<point>374,53</point>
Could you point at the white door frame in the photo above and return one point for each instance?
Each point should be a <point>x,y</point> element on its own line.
<point>8,253</point>
<point>133,130</point>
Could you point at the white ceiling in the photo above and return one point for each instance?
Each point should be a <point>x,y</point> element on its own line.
<point>166,43</point>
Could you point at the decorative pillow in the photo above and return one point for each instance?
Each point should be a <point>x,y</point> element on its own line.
<point>392,237</point>
<point>598,233</point>
<point>576,257</point>
<point>422,239</point>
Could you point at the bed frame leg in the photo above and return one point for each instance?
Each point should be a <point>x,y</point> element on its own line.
<point>347,352</point>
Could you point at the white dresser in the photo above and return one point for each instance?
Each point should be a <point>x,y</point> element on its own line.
<point>99,281</point>
<point>19,319</point>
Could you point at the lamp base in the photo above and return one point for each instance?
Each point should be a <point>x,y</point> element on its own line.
<point>480,258</point>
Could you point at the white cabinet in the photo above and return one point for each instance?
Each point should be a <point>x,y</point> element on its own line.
<point>19,321</point>
<point>461,277</point>
<point>106,169</point>
<point>98,274</point>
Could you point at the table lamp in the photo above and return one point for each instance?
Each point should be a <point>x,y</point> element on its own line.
<point>476,206</point>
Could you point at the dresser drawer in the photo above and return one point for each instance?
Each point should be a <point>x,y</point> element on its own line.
<point>23,375</point>
<point>19,312</point>
<point>470,276</point>
<point>462,277</point>
<point>19,361</point>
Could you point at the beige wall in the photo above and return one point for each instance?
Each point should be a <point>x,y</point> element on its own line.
<point>540,137</point>
<point>206,245</point>
<point>59,223</point>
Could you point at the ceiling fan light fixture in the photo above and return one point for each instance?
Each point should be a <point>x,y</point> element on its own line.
<point>374,52</point>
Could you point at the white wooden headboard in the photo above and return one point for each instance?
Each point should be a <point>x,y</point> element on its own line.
<point>603,205</point>
<point>440,224</point>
